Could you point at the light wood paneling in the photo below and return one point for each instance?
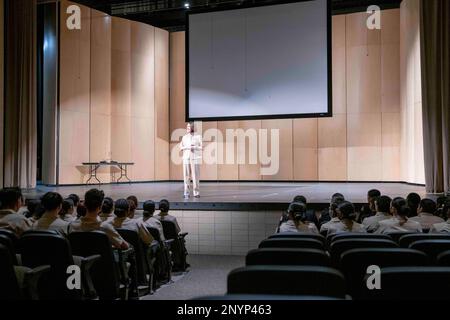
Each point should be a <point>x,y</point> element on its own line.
<point>208,168</point>
<point>305,149</point>
<point>339,65</point>
<point>177,81</point>
<point>251,169</point>
<point>227,171</point>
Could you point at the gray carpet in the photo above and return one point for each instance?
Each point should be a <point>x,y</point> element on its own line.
<point>206,276</point>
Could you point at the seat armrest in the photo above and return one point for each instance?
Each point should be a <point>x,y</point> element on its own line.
<point>32,280</point>
<point>183,235</point>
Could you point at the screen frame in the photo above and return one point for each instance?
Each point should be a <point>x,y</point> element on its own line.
<point>327,114</point>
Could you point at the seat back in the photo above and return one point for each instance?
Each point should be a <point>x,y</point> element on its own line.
<point>170,230</point>
<point>105,272</point>
<point>281,256</point>
<point>338,247</point>
<point>140,252</point>
<point>299,235</point>
<point>11,235</point>
<point>413,283</point>
<point>406,240</point>
<point>155,233</point>
<point>287,280</point>
<point>431,247</point>
<point>9,288</point>
<point>8,243</point>
<point>443,259</point>
<point>292,243</point>
<point>54,250</point>
<point>398,234</point>
<point>344,236</point>
<point>355,263</point>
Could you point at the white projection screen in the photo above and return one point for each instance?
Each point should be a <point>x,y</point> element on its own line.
<point>264,62</point>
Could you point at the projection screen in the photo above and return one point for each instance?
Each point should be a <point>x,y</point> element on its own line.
<point>264,62</point>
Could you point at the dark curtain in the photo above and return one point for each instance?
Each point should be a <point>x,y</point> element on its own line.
<point>435,60</point>
<point>20,94</point>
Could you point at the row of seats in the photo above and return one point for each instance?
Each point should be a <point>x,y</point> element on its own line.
<point>413,266</point>
<point>40,260</point>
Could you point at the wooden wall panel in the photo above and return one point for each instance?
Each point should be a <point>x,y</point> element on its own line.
<point>208,168</point>
<point>339,65</point>
<point>162,138</point>
<point>250,170</point>
<point>227,171</point>
<point>305,149</point>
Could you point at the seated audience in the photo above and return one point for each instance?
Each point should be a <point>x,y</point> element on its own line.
<point>10,202</point>
<point>441,201</point>
<point>93,201</point>
<point>310,214</point>
<point>443,227</point>
<point>426,214</point>
<point>50,220</point>
<point>68,211</point>
<point>346,214</point>
<point>369,209</point>
<point>413,202</point>
<point>164,207</point>
<point>81,210</point>
<point>76,200</point>
<point>382,207</point>
<point>332,213</point>
<point>107,209</point>
<point>297,220</point>
<point>133,201</point>
<point>121,220</point>
<point>149,221</point>
<point>400,221</point>
<point>34,210</point>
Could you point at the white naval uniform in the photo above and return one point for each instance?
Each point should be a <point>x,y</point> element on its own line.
<point>191,145</point>
<point>427,220</point>
<point>443,227</point>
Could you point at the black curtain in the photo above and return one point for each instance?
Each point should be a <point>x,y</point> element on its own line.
<point>435,61</point>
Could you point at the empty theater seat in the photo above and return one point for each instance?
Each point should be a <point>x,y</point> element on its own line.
<point>298,235</point>
<point>412,283</point>
<point>431,247</point>
<point>292,243</point>
<point>406,240</point>
<point>398,234</point>
<point>282,256</point>
<point>443,259</point>
<point>354,264</point>
<point>337,248</point>
<point>287,280</point>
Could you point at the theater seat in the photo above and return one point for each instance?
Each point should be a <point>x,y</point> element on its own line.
<point>177,247</point>
<point>354,264</point>
<point>443,259</point>
<point>406,240</point>
<point>412,283</point>
<point>398,234</point>
<point>281,256</point>
<point>338,247</point>
<point>287,280</point>
<point>163,264</point>
<point>352,235</point>
<point>298,235</point>
<point>292,243</point>
<point>431,247</point>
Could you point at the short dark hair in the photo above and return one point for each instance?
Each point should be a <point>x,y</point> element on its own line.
<point>164,205</point>
<point>374,193</point>
<point>300,198</point>
<point>66,206</point>
<point>134,203</point>
<point>75,198</point>
<point>81,210</point>
<point>121,208</point>
<point>149,208</point>
<point>404,211</point>
<point>32,207</point>
<point>347,210</point>
<point>413,199</point>
<point>383,204</point>
<point>337,197</point>
<point>298,211</point>
<point>108,205</point>
<point>428,206</point>
<point>9,197</point>
<point>93,199</point>
<point>51,201</point>
<point>398,203</point>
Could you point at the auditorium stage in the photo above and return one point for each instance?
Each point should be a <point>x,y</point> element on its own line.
<point>238,195</point>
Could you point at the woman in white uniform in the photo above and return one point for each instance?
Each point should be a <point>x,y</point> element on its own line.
<point>191,145</point>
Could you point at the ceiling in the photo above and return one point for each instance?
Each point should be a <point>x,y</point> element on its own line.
<point>171,14</point>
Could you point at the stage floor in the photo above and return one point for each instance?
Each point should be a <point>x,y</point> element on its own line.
<point>238,195</point>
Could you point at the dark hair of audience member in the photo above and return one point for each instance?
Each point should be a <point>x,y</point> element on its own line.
<point>164,205</point>
<point>121,208</point>
<point>9,198</point>
<point>297,211</point>
<point>374,193</point>
<point>108,205</point>
<point>397,204</point>
<point>134,201</point>
<point>413,202</point>
<point>81,210</point>
<point>428,206</point>
<point>93,200</point>
<point>66,206</point>
<point>51,201</point>
<point>300,198</point>
<point>75,198</point>
<point>346,211</point>
<point>149,208</point>
<point>383,204</point>
<point>32,206</point>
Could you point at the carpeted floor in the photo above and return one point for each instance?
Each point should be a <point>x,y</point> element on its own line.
<point>206,276</point>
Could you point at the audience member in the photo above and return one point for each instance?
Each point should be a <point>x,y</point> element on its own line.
<point>382,207</point>
<point>133,201</point>
<point>369,210</point>
<point>67,212</point>
<point>93,201</point>
<point>297,220</point>
<point>164,207</point>
<point>426,214</point>
<point>107,209</point>
<point>50,220</point>
<point>443,227</point>
<point>149,220</point>
<point>399,221</point>
<point>346,214</point>
<point>413,202</point>
<point>11,200</point>
<point>331,213</point>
